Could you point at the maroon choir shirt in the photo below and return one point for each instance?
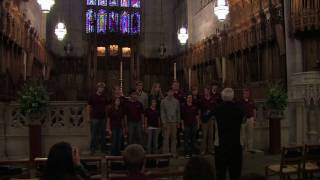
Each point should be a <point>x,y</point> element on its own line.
<point>138,176</point>
<point>116,117</point>
<point>196,100</point>
<point>207,106</point>
<point>152,117</point>
<point>98,105</point>
<point>189,114</point>
<point>248,107</point>
<point>134,111</point>
<point>217,97</point>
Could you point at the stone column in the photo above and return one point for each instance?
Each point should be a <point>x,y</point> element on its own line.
<point>294,65</point>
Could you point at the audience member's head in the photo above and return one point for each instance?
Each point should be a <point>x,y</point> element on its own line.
<point>227,94</point>
<point>199,168</point>
<point>60,163</point>
<point>252,177</point>
<point>133,157</point>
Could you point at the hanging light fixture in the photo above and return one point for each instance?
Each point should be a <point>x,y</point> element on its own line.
<point>183,35</point>
<point>45,5</point>
<point>60,31</point>
<point>221,9</point>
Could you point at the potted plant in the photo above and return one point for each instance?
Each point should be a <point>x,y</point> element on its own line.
<point>276,102</point>
<point>33,100</point>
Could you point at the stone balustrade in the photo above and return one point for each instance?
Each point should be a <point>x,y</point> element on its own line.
<point>64,121</point>
<point>305,95</point>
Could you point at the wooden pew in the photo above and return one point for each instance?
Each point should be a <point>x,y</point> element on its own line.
<point>87,161</point>
<point>24,164</point>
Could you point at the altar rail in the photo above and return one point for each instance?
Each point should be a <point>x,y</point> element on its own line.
<point>64,121</point>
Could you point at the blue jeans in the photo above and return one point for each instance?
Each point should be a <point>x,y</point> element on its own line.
<point>98,134</point>
<point>190,133</point>
<point>153,140</point>
<point>135,132</point>
<point>116,141</point>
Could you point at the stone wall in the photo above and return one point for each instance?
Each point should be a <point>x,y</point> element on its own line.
<point>70,12</point>
<point>155,31</point>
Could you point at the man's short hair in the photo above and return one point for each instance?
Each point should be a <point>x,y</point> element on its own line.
<point>227,94</point>
<point>101,85</point>
<point>133,157</point>
<point>199,168</point>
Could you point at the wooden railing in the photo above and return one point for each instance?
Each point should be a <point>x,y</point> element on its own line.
<point>305,15</point>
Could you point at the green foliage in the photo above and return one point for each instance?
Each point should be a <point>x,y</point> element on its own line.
<point>33,98</point>
<point>277,98</point>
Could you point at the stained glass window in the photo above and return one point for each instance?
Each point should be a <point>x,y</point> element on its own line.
<point>102,20</point>
<point>124,3</point>
<point>124,22</point>
<point>113,21</point>
<point>91,2</point>
<point>135,23</point>
<point>113,3</point>
<point>135,3</point>
<point>90,19</point>
<point>103,2</point>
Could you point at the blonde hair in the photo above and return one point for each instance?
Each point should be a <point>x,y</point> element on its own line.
<point>153,92</point>
<point>227,94</point>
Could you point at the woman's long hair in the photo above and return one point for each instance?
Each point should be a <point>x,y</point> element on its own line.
<point>153,92</point>
<point>60,162</point>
